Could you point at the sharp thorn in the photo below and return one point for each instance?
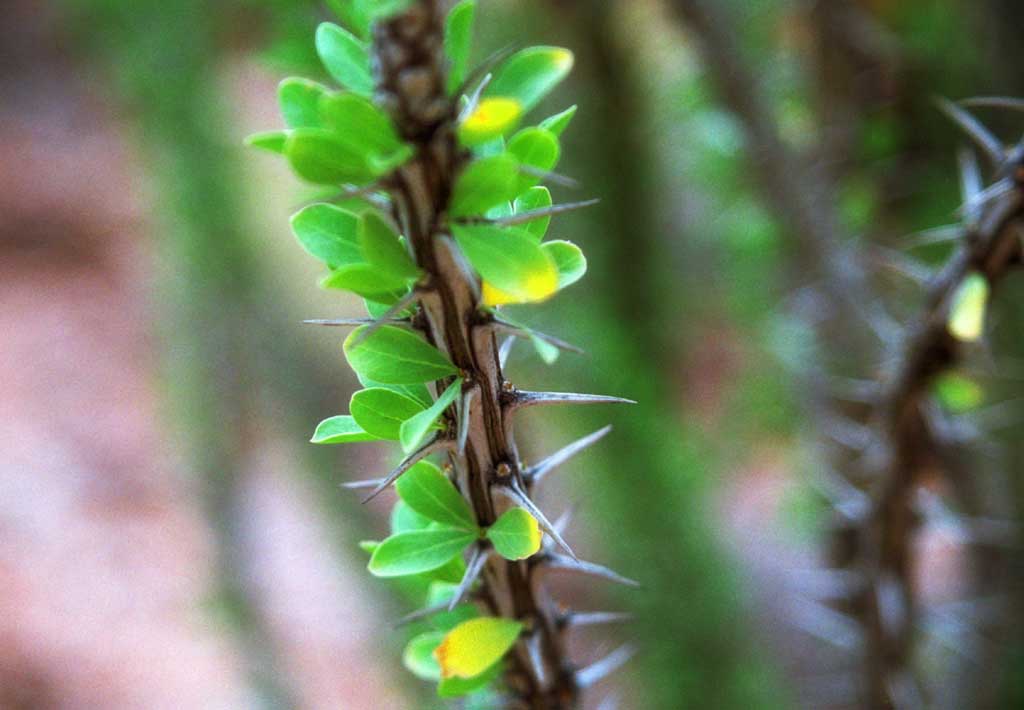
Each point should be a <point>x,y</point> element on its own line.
<point>599,670</point>
<point>517,496</point>
<point>537,659</point>
<point>505,349</point>
<point>551,211</point>
<point>825,623</point>
<point>477,560</point>
<point>1007,102</point>
<point>938,235</point>
<point>525,399</point>
<point>345,322</point>
<point>984,139</point>
<point>474,100</point>
<point>534,474</point>
<point>904,265</point>
<point>523,332</point>
<point>593,569</point>
<point>419,614</point>
<point>562,523</point>
<point>465,403</point>
<point>485,68</point>
<point>436,444</point>
<point>593,618</point>
<point>389,316</point>
<point>992,192</point>
<point>547,176</point>
<point>356,485</point>
<point>971,183</point>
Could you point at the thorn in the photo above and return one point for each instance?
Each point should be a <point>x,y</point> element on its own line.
<point>937,235</point>
<point>984,139</point>
<point>599,670</point>
<point>551,211</point>
<point>971,183</point>
<point>505,349</point>
<point>465,402</point>
<point>389,315</point>
<point>904,265</point>
<point>546,176</point>
<point>345,322</point>
<point>825,623</point>
<point>537,659</point>
<point>593,618</point>
<point>474,100</point>
<point>593,569</point>
<point>523,332</point>
<point>562,523</point>
<point>1007,102</point>
<point>435,444</point>
<point>477,560</point>
<point>356,485</point>
<point>419,614</point>
<point>484,68</point>
<point>535,473</point>
<point>516,495</point>
<point>992,192</point>
<point>532,399</point>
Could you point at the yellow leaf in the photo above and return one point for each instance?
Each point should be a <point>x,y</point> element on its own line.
<point>474,646</point>
<point>967,312</point>
<point>538,286</point>
<point>492,117</point>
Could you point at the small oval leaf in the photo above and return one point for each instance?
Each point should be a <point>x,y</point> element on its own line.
<point>429,492</point>
<point>569,261</point>
<point>515,535</point>
<point>492,118</point>
<point>329,233</point>
<point>384,250</point>
<point>321,157</point>
<point>509,260</point>
<point>967,309</point>
<point>529,74</point>
<point>418,656</point>
<point>416,552</point>
<point>345,58</point>
<point>473,646</point>
<point>536,148</point>
<point>458,40</point>
<point>395,356</point>
<point>300,102</point>
<point>381,411</point>
<point>341,429</point>
<point>416,427</point>
<point>483,184</point>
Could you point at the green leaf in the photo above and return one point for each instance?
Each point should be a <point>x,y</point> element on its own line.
<point>405,519</point>
<point>381,411</point>
<point>458,40</point>
<point>483,184</point>
<point>515,535</point>
<point>329,233</point>
<point>273,141</point>
<point>354,14</point>
<point>472,647</point>
<point>341,429</point>
<point>368,546</point>
<point>416,427</point>
<point>547,352</point>
<point>300,102</point>
<point>508,259</point>
<point>383,250</point>
<point>418,392</point>
<point>320,156</point>
<point>396,357</point>
<point>529,74</point>
<point>569,260</point>
<point>967,311</point>
<point>345,58</point>
<point>492,118</point>
<point>451,572</point>
<point>537,148</point>
<point>359,118</point>
<point>365,280</point>
<point>536,198</point>
<point>421,551</point>
<point>429,492</point>
<point>560,121</point>
<point>418,656</point>
<point>958,393</point>
<point>455,687</point>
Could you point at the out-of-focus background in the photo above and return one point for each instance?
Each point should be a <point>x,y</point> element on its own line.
<point>169,540</point>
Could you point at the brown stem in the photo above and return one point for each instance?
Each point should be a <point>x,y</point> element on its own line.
<point>885,555</point>
<point>411,75</point>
